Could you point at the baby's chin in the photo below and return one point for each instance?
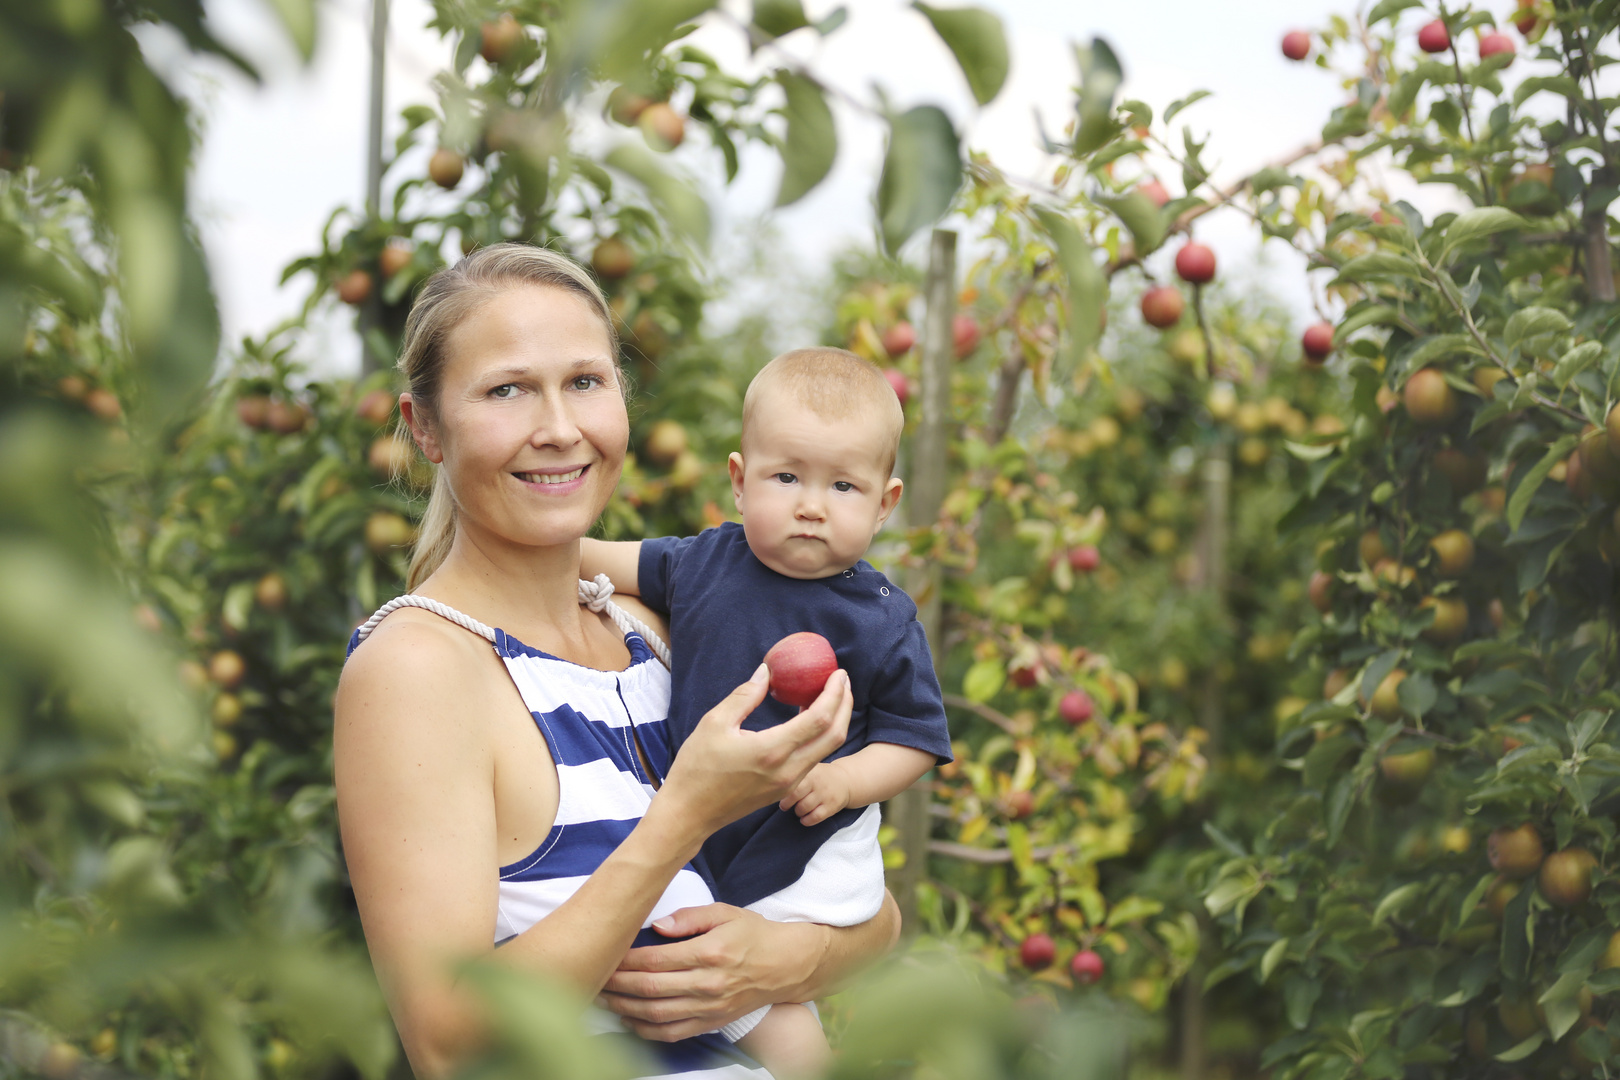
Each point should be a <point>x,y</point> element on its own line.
<point>802,569</point>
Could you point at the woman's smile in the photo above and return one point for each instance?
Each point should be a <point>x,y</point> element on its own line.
<point>555,481</point>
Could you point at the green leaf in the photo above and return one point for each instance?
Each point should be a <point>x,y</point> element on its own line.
<point>983,680</point>
<point>921,172</point>
<point>1273,956</point>
<point>1405,93</point>
<point>1520,502</point>
<point>1379,263</point>
<point>811,144</point>
<point>1532,322</point>
<point>1148,223</point>
<point>1479,223</point>
<point>1133,909</point>
<point>1100,76</point>
<point>1576,361</point>
<point>1088,285</point>
<point>977,40</point>
<point>1558,84</point>
<point>1394,900</point>
<point>1524,1049</point>
<point>1182,103</point>
<point>1299,998</point>
<point>1372,315</point>
<point>677,200</point>
<point>1437,347</point>
<point>1388,9</point>
<point>298,19</point>
<point>778,17</point>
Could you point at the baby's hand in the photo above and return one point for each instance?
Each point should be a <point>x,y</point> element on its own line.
<point>822,793</point>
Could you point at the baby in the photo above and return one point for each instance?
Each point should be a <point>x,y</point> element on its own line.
<point>813,483</point>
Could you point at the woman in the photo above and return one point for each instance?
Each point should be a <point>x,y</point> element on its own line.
<point>538,756</point>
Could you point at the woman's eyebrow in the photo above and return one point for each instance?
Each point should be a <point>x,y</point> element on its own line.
<point>585,362</point>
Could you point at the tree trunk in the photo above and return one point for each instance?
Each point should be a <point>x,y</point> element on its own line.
<point>925,494</point>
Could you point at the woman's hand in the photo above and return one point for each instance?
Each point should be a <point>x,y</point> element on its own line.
<point>723,771</point>
<point>738,962</point>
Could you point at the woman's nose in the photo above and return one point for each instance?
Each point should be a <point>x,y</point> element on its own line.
<point>554,423</point>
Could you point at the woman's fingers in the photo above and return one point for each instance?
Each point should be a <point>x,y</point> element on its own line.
<point>821,728</point>
<point>688,921</point>
<point>736,706</point>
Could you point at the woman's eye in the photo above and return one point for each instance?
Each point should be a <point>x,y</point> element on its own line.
<point>843,485</point>
<point>505,390</point>
<point>589,382</point>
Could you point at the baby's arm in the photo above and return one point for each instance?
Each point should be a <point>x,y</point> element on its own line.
<point>871,774</point>
<point>620,560</point>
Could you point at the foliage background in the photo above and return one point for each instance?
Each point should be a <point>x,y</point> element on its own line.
<point>1263,887</point>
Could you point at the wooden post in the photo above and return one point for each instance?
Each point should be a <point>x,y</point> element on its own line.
<point>925,494</point>
<point>371,310</point>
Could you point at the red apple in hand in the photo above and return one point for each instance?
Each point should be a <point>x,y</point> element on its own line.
<point>1087,967</point>
<point>800,666</point>
<point>1037,951</point>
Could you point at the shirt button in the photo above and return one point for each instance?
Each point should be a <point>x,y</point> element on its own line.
<point>849,573</point>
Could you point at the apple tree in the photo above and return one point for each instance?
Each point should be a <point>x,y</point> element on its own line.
<point>1439,891</point>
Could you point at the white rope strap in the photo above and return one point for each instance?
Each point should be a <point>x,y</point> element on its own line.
<point>412,600</point>
<point>595,596</point>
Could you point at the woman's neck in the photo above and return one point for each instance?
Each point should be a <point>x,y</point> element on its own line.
<point>532,592</point>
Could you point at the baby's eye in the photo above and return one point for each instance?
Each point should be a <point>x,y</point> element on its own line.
<point>843,485</point>
<point>785,478</point>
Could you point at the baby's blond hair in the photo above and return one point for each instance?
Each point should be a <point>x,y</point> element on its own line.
<point>835,384</point>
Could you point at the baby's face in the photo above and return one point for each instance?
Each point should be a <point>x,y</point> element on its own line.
<point>812,492</point>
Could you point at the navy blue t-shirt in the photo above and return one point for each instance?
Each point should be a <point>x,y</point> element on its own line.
<point>726,609</point>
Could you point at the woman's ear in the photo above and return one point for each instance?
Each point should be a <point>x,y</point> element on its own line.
<point>421,432</point>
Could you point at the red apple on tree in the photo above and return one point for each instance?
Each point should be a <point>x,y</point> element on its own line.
<point>1496,45</point>
<point>897,379</point>
<point>899,339</point>
<point>377,407</point>
<point>663,127</point>
<point>1085,558</point>
<point>1317,341</point>
<point>1429,399</point>
<point>1086,967</point>
<point>445,168</point>
<point>393,258</point>
<point>1525,19</point>
<point>499,39</point>
<point>1196,264</point>
<point>354,287</point>
<point>1434,37</point>
<point>1296,45</point>
<point>800,666</point>
<point>965,333</point>
<point>1162,306</point>
<point>1154,190</point>
<point>613,258</point>
<point>1076,707</point>
<point>1037,951</point>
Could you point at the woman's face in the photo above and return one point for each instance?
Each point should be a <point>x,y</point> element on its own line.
<point>531,427</point>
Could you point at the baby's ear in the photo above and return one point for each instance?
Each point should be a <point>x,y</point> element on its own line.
<point>734,465</point>
<point>891,498</point>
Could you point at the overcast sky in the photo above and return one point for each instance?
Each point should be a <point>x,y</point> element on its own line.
<point>277,159</point>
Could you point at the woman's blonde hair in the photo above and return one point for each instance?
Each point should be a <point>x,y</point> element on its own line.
<point>446,299</point>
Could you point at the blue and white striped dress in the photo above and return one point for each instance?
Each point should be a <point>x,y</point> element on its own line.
<point>592,721</point>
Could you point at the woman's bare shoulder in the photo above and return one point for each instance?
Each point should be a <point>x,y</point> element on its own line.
<point>413,665</point>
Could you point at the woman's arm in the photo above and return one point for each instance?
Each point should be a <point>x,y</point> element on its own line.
<point>415,766</point>
<point>739,962</point>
